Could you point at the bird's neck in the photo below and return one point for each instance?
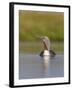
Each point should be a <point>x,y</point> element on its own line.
<point>45,47</point>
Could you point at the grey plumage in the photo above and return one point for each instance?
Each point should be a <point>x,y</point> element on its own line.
<point>46,43</point>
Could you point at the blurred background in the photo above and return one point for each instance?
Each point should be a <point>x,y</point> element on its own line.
<point>33,24</point>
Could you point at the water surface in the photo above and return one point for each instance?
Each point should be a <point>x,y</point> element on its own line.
<point>33,66</point>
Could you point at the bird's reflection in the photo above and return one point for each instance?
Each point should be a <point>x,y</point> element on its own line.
<point>45,65</point>
<point>46,61</point>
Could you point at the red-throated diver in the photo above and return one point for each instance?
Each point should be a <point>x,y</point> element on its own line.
<point>47,51</point>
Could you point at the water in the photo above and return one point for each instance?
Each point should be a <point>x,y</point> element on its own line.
<point>33,66</point>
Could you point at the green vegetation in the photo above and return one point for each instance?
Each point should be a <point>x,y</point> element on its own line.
<point>34,23</point>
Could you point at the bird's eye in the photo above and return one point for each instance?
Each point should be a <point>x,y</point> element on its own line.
<point>43,40</point>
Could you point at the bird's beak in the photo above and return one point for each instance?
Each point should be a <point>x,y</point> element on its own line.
<point>39,37</point>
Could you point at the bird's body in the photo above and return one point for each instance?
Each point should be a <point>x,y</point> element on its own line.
<point>47,53</point>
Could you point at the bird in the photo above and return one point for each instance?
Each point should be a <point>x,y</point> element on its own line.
<point>47,51</point>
